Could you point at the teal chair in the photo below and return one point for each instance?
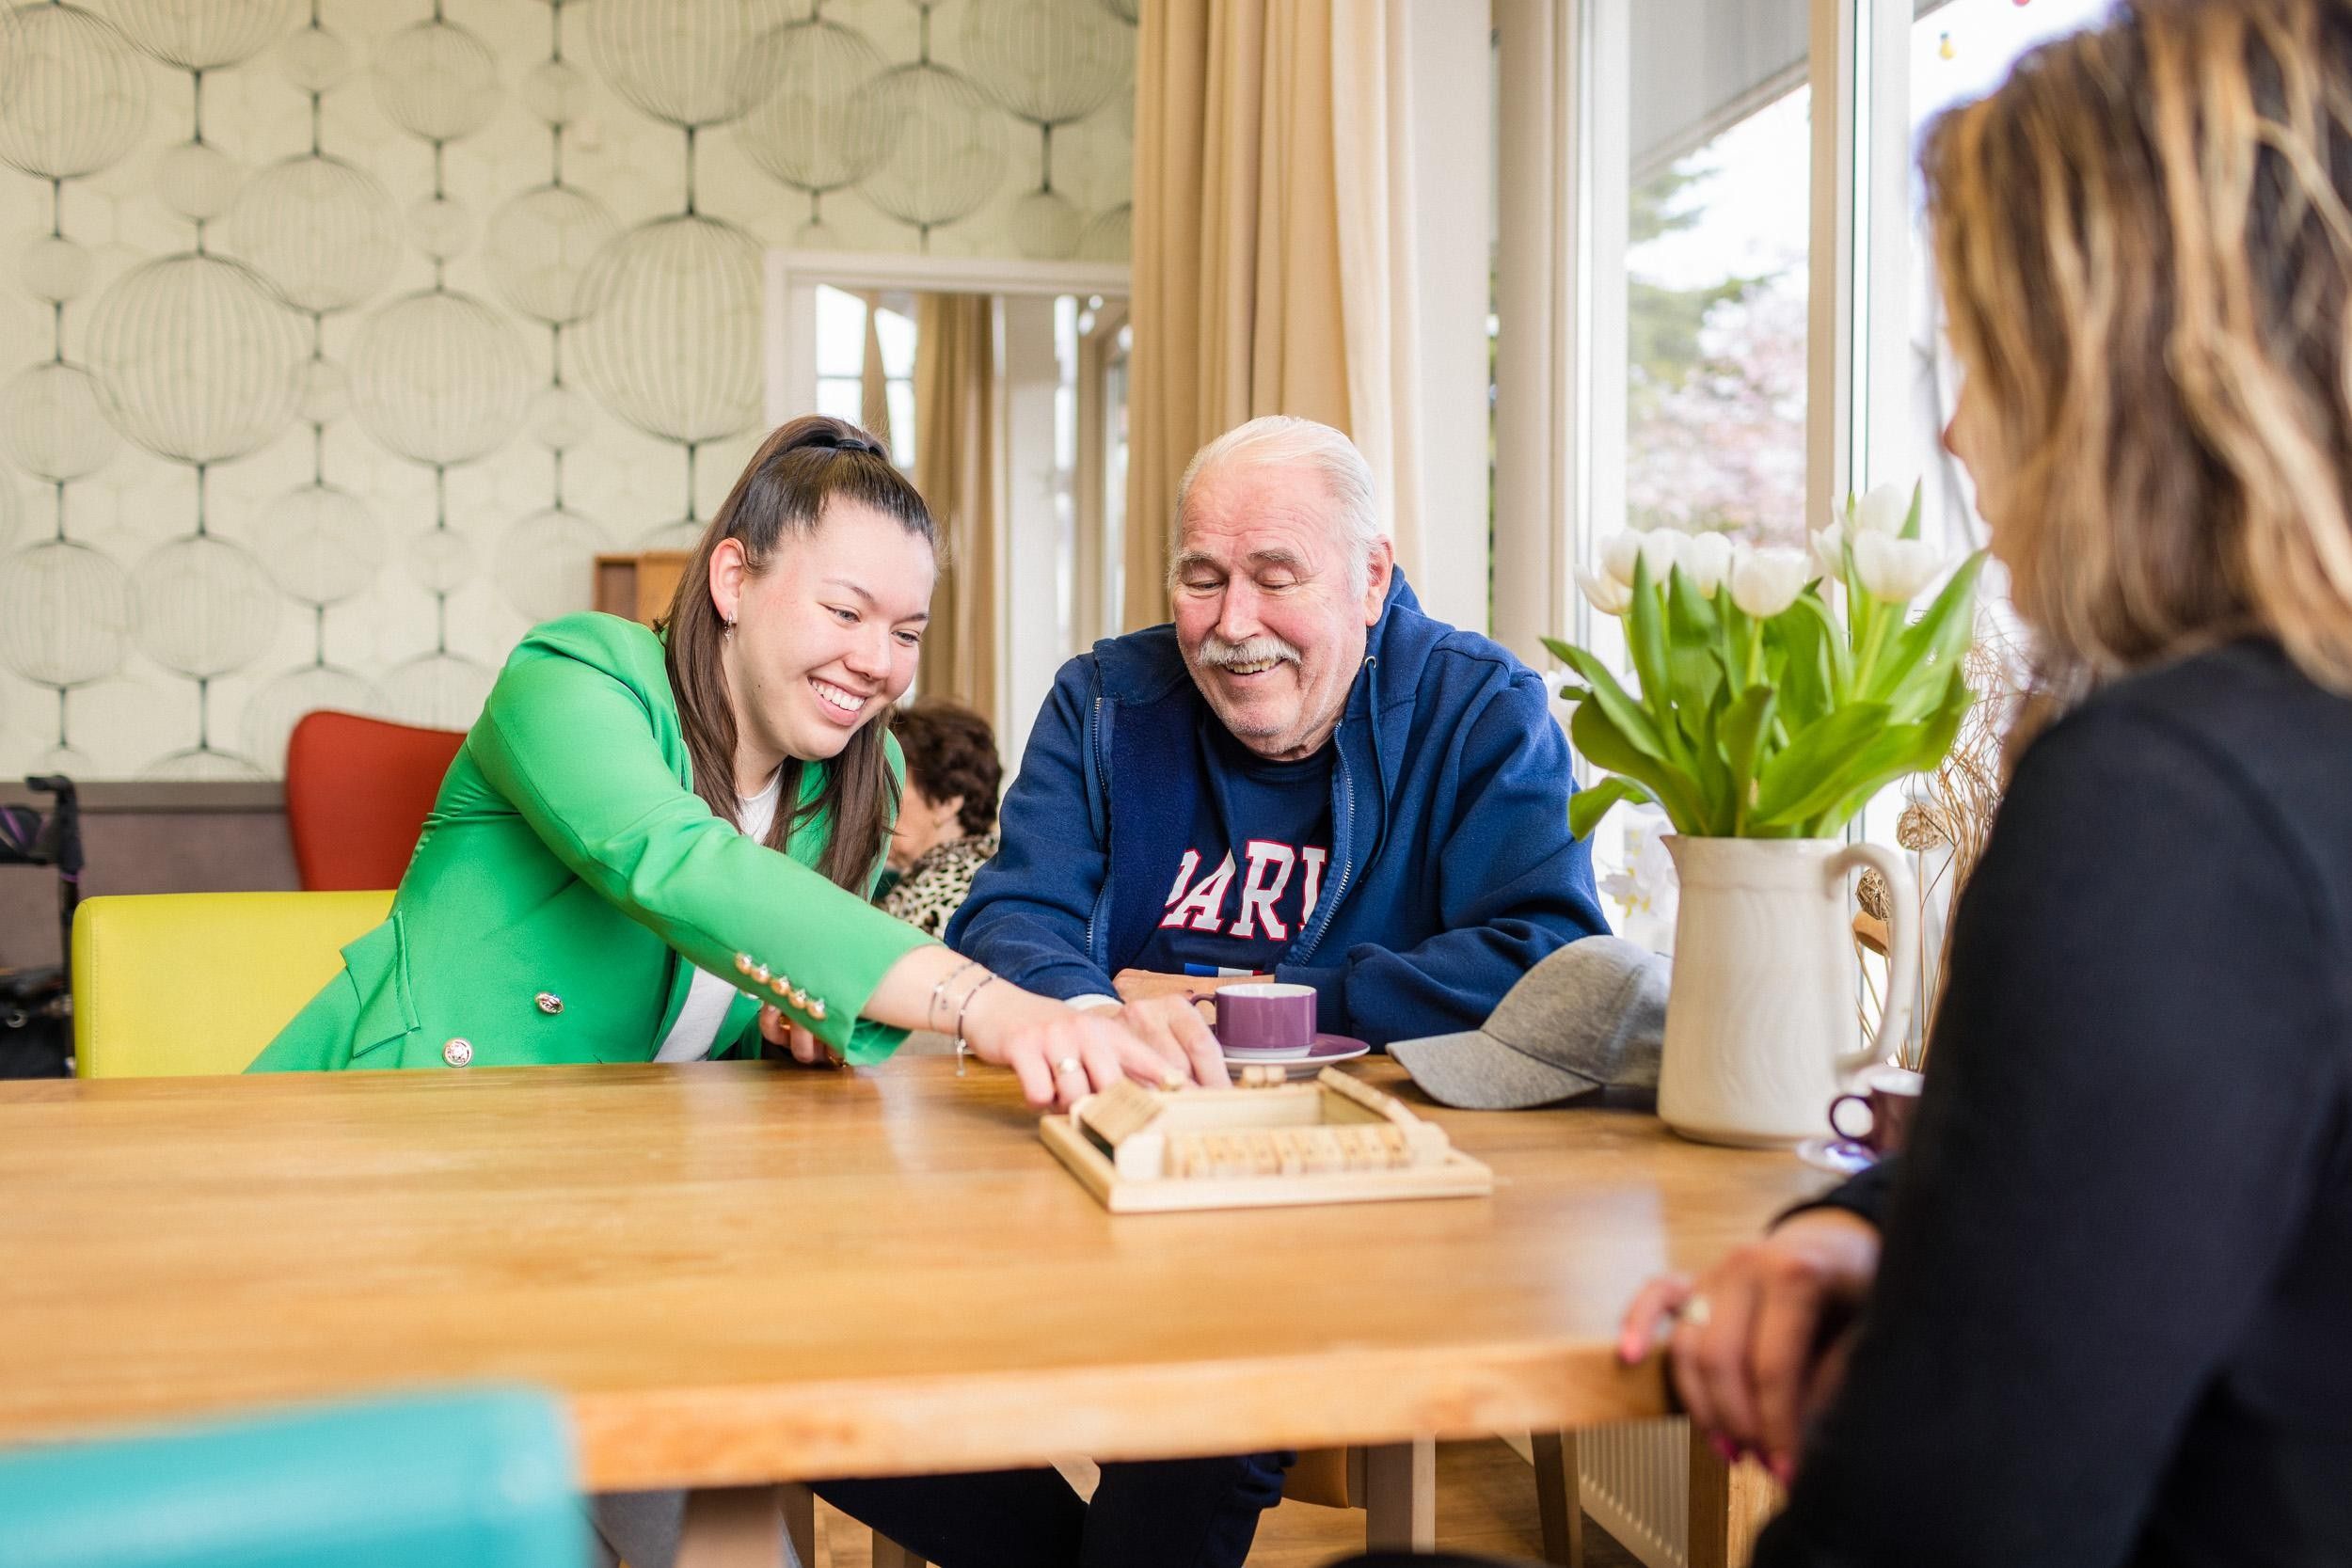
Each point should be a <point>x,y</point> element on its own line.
<point>480,1479</point>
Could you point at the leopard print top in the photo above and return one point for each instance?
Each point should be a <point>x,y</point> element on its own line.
<point>935,886</point>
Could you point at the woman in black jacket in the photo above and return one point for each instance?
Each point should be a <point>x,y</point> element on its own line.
<point>2111,1320</point>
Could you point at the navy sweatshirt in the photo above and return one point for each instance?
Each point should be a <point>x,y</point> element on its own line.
<point>1451,869</point>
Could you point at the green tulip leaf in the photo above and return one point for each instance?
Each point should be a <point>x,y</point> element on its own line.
<point>1807,777</point>
<point>1587,807</point>
<point>1601,743</point>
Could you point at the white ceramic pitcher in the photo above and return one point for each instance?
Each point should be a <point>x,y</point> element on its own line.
<point>1761,1028</point>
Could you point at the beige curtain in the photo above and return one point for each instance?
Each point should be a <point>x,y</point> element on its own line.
<point>955,468</point>
<point>1379,274</point>
<point>1236,273</point>
<point>874,380</point>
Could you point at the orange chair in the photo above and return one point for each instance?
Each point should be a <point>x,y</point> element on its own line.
<point>357,791</point>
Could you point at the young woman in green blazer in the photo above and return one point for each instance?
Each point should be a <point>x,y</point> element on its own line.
<point>609,874</point>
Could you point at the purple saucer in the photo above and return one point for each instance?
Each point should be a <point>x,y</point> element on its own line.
<point>1326,1047</point>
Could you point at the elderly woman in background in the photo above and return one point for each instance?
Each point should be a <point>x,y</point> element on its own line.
<point>946,827</point>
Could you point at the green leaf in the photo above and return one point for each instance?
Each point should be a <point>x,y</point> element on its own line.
<point>1645,643</point>
<point>1603,695</point>
<point>1587,807</point>
<point>1911,671</point>
<point>1601,743</point>
<point>1911,518</point>
<point>1812,773</point>
<point>1904,750</point>
<point>1742,730</point>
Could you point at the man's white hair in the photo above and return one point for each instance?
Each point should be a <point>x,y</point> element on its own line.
<point>1282,440</point>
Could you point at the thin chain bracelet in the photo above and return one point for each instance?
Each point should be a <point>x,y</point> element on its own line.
<point>939,991</point>
<point>964,1008</point>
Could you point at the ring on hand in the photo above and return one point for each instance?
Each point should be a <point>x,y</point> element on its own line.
<point>1068,1064</point>
<point>1695,1312</point>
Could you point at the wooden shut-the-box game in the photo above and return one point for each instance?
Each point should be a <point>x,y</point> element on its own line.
<point>1330,1141</point>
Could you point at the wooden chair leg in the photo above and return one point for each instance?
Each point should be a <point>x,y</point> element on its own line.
<point>1729,1506</point>
<point>1401,1496</point>
<point>1559,1500</point>
<point>889,1553</point>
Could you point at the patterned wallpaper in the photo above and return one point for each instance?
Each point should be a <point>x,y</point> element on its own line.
<point>336,336</point>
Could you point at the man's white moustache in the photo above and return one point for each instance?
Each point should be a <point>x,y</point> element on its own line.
<point>1216,650</point>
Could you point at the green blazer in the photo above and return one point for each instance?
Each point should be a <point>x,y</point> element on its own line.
<point>569,882</point>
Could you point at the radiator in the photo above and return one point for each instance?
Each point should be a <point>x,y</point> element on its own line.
<point>1635,1481</point>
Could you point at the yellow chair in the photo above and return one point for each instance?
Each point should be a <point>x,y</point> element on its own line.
<point>170,985</point>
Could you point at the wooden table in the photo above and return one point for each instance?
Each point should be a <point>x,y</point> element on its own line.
<point>740,1274</point>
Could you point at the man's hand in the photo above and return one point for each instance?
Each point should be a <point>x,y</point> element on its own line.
<point>1766,1350</point>
<point>1143,985</point>
<point>806,1047</point>
<point>1178,1029</point>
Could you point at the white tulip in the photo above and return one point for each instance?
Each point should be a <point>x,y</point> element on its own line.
<point>1765,582</point>
<point>1617,553</point>
<point>1661,548</point>
<point>1885,510</point>
<point>1893,568</point>
<point>1707,561</point>
<point>1829,553</point>
<point>1607,594</point>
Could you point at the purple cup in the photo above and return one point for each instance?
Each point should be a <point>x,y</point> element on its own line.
<point>1265,1016</point>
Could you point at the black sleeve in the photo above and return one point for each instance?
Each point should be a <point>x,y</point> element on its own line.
<point>1862,1194</point>
<point>2123,1123</point>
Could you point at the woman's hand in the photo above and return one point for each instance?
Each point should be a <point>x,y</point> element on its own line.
<point>1751,1344</point>
<point>806,1047</point>
<point>1060,1053</point>
<point>1178,1029</point>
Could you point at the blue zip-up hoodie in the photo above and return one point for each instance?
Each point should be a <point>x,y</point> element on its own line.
<point>1453,870</point>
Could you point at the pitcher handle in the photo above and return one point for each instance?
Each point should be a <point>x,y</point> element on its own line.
<point>1903,947</point>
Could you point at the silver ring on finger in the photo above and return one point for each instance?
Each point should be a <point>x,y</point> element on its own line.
<point>1696,1312</point>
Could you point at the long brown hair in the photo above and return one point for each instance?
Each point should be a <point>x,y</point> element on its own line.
<point>2146,253</point>
<point>785,489</point>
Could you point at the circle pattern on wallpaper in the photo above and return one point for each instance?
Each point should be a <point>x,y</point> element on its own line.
<point>11,510</point>
<point>1129,12</point>
<point>436,81</point>
<point>326,393</point>
<point>560,418</point>
<point>442,226</point>
<point>440,692</point>
<point>314,60</point>
<point>670,341</point>
<point>545,563</point>
<point>272,711</point>
<point>540,246</point>
<point>197,359</point>
<point>205,606</point>
<point>555,91</point>
<point>202,764</point>
<point>78,101</point>
<point>55,269</point>
<point>819,129</point>
<point>440,377</point>
<point>63,614</point>
<point>683,61</point>
<point>321,545</point>
<point>1047,61</point>
<point>1046,225</point>
<point>321,229</point>
<point>440,559</point>
<point>197,181</point>
<point>1111,236</point>
<point>948,159</point>
<point>203,36</point>
<point>683,534</point>
<point>53,423</point>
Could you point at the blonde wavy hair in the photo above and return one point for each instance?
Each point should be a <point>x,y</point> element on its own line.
<point>2146,255</point>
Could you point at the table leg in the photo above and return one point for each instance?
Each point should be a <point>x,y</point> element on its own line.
<point>1559,1498</point>
<point>889,1553</point>
<point>1729,1507</point>
<point>749,1526</point>
<point>1401,1496</point>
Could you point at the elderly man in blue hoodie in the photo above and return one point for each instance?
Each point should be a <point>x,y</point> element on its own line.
<point>1304,778</point>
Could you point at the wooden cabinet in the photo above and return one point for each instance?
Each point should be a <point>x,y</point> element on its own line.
<point>640,585</point>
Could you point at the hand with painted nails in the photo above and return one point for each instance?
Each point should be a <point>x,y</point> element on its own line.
<point>1757,1345</point>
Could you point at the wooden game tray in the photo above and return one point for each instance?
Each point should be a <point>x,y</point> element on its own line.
<point>1131,1176</point>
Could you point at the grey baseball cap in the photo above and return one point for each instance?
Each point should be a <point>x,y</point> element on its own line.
<point>1592,1014</point>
